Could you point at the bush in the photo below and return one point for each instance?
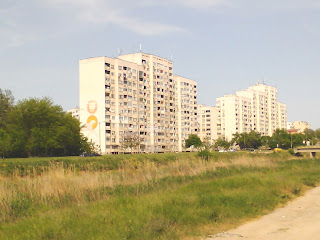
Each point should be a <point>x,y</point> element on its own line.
<point>205,154</point>
<point>291,151</point>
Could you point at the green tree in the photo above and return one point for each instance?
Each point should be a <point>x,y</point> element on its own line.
<point>37,127</point>
<point>6,105</point>
<point>248,140</point>
<point>222,143</point>
<point>130,140</point>
<point>310,135</point>
<point>280,138</point>
<point>207,144</point>
<point>317,133</point>
<point>5,145</point>
<point>193,140</point>
<point>297,140</point>
<point>265,141</point>
<point>88,147</point>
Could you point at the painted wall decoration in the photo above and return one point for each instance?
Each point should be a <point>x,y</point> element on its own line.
<point>92,106</point>
<point>92,122</point>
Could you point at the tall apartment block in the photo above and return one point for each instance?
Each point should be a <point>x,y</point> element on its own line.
<point>136,93</point>
<point>255,108</point>
<point>282,115</point>
<point>207,121</point>
<point>186,109</point>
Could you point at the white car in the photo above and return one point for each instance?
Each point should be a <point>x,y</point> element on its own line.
<point>223,150</point>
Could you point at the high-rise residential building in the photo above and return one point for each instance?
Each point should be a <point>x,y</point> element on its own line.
<point>162,123</point>
<point>75,112</point>
<point>256,117</point>
<point>207,121</point>
<point>233,115</point>
<point>282,116</point>
<point>255,108</point>
<point>186,108</point>
<point>271,104</point>
<point>136,93</point>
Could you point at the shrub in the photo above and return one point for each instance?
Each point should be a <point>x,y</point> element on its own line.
<point>291,151</point>
<point>205,154</point>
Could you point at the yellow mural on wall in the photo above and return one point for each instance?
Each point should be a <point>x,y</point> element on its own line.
<point>92,122</point>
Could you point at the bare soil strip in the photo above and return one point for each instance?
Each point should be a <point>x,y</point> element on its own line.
<point>300,219</point>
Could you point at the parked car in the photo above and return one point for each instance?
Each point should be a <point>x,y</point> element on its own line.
<point>223,150</point>
<point>277,150</point>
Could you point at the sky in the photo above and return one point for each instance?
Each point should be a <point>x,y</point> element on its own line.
<point>225,45</point>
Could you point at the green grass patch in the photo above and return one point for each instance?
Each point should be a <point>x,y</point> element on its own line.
<point>38,165</point>
<point>172,207</point>
<point>35,165</point>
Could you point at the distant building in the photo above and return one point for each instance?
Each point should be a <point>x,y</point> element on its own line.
<point>255,108</point>
<point>301,126</point>
<point>207,122</point>
<point>186,108</point>
<point>75,112</point>
<point>136,93</point>
<point>289,125</point>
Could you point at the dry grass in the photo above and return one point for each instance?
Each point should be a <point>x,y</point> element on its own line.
<point>59,182</point>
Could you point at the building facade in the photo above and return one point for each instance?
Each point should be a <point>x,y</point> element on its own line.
<point>186,109</point>
<point>139,94</point>
<point>300,126</point>
<point>75,112</point>
<point>136,93</point>
<point>207,122</point>
<point>255,108</point>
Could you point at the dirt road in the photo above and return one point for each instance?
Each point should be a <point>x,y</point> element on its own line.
<point>299,220</point>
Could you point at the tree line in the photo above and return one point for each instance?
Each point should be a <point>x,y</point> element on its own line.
<point>38,127</point>
<point>281,138</point>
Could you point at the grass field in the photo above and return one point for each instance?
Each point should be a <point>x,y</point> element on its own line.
<point>145,196</point>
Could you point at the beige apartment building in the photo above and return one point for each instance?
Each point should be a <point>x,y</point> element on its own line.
<point>255,108</point>
<point>136,93</point>
<point>233,115</point>
<point>301,126</point>
<point>207,121</point>
<point>271,108</point>
<point>186,109</point>
<point>282,116</point>
<point>75,112</point>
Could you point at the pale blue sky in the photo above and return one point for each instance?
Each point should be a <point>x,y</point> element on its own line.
<point>225,45</point>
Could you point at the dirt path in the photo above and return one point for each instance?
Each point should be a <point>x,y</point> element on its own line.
<point>298,220</point>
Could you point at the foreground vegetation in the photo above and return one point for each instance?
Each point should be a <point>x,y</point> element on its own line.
<point>156,196</point>
<point>38,127</point>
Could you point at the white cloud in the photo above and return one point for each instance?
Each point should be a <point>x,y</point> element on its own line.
<point>104,12</point>
<point>19,26</point>
<point>198,4</point>
<point>147,28</point>
<point>234,4</point>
